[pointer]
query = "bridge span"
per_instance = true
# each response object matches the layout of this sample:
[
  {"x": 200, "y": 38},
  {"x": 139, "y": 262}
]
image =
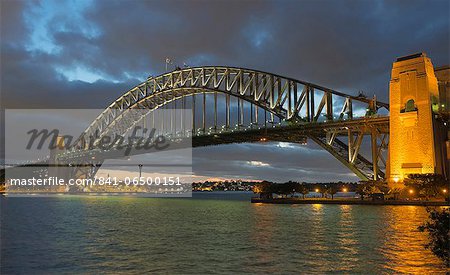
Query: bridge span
[{"x": 233, "y": 105}]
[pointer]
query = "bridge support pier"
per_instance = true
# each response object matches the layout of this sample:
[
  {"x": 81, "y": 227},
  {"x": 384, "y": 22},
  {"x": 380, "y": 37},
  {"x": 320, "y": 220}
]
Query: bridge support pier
[{"x": 414, "y": 106}]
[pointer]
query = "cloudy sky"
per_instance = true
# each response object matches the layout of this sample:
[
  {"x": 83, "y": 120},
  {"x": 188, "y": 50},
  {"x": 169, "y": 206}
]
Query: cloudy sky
[{"x": 84, "y": 54}]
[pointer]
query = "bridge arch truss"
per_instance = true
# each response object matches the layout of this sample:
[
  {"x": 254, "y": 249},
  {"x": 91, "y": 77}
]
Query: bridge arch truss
[{"x": 321, "y": 114}]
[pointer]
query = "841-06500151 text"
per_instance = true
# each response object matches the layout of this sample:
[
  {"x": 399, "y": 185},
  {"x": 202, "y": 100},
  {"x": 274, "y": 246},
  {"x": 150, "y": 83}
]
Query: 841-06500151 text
[{"x": 100, "y": 181}]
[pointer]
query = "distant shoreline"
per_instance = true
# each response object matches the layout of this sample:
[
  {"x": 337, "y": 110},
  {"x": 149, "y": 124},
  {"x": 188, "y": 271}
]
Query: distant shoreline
[{"x": 348, "y": 202}]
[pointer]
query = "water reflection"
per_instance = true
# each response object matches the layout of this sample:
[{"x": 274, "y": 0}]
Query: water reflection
[
  {"x": 403, "y": 243},
  {"x": 263, "y": 229},
  {"x": 205, "y": 234},
  {"x": 347, "y": 241}
]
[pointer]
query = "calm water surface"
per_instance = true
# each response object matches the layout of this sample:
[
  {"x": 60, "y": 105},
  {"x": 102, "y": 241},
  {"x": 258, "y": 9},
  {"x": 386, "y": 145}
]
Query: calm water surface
[{"x": 220, "y": 233}]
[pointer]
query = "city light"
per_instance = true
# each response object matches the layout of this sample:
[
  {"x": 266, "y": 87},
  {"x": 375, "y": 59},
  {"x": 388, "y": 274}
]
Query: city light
[
  {"x": 444, "y": 190},
  {"x": 344, "y": 190},
  {"x": 411, "y": 191},
  {"x": 317, "y": 190}
]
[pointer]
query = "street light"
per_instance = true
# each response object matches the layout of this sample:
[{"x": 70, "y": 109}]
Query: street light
[
  {"x": 444, "y": 190},
  {"x": 411, "y": 191},
  {"x": 140, "y": 170},
  {"x": 317, "y": 190},
  {"x": 344, "y": 190}
]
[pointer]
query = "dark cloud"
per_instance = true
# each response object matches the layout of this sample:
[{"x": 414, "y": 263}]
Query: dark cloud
[
  {"x": 49, "y": 49},
  {"x": 271, "y": 161},
  {"x": 12, "y": 27}
]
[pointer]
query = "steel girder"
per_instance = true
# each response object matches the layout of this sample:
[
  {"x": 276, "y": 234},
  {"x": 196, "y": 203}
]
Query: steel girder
[
  {"x": 347, "y": 149},
  {"x": 283, "y": 97}
]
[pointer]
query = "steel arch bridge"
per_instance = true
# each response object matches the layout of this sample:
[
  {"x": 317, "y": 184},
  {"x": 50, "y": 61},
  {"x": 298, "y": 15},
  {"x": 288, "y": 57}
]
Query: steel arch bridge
[{"x": 334, "y": 120}]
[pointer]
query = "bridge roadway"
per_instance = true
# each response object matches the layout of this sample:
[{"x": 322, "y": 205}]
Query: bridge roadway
[
  {"x": 296, "y": 133},
  {"x": 320, "y": 132},
  {"x": 323, "y": 133}
]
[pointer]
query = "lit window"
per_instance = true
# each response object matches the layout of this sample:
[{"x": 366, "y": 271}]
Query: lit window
[{"x": 410, "y": 106}]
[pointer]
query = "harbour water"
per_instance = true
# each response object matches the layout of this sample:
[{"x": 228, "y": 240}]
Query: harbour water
[{"x": 209, "y": 233}]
